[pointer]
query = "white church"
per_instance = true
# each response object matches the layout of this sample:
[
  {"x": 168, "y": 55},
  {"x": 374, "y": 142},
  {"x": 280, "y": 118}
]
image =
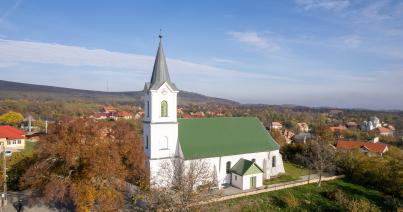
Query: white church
[{"x": 239, "y": 149}]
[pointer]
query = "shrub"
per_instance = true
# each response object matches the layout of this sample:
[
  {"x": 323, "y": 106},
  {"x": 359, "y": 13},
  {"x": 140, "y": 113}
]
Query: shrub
[{"x": 291, "y": 201}]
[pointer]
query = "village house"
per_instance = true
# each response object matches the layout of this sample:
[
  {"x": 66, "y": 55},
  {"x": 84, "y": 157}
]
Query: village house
[
  {"x": 238, "y": 149},
  {"x": 352, "y": 125},
  {"x": 276, "y": 125},
  {"x": 339, "y": 128},
  {"x": 384, "y": 131},
  {"x": 303, "y": 127},
  {"x": 369, "y": 148},
  {"x": 13, "y": 138},
  {"x": 124, "y": 115},
  {"x": 372, "y": 124}
]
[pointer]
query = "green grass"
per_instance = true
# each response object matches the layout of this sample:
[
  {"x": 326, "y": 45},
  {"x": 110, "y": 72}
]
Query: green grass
[
  {"x": 29, "y": 147},
  {"x": 309, "y": 197},
  {"x": 292, "y": 172}
]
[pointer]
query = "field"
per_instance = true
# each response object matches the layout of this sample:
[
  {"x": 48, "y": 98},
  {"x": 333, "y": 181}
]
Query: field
[
  {"x": 293, "y": 172},
  {"x": 305, "y": 198}
]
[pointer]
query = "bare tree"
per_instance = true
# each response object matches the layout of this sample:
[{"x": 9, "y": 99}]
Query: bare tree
[
  {"x": 318, "y": 156},
  {"x": 181, "y": 184}
]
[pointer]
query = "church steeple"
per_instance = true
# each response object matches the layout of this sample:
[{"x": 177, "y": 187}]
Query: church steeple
[{"x": 160, "y": 71}]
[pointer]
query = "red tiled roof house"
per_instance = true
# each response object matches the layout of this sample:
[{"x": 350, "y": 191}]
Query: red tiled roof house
[{"x": 13, "y": 138}]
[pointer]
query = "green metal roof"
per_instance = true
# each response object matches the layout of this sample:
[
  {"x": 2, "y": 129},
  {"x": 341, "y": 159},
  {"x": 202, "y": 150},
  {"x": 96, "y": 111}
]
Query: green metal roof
[
  {"x": 213, "y": 137},
  {"x": 246, "y": 167}
]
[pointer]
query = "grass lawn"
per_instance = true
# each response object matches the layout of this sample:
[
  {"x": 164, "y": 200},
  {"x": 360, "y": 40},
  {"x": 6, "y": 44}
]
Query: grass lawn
[
  {"x": 292, "y": 172},
  {"x": 308, "y": 197},
  {"x": 29, "y": 147}
]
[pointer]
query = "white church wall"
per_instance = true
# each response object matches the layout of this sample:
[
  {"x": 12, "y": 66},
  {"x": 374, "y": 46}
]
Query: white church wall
[{"x": 160, "y": 133}]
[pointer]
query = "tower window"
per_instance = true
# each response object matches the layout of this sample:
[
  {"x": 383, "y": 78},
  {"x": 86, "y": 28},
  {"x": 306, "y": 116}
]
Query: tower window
[
  {"x": 273, "y": 161},
  {"x": 164, "y": 109},
  {"x": 147, "y": 142},
  {"x": 228, "y": 167}
]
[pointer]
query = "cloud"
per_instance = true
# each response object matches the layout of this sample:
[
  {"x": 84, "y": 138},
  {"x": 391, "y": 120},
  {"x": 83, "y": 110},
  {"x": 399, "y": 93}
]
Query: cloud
[
  {"x": 323, "y": 4},
  {"x": 222, "y": 60},
  {"x": 255, "y": 40},
  {"x": 14, "y": 52},
  {"x": 374, "y": 11}
]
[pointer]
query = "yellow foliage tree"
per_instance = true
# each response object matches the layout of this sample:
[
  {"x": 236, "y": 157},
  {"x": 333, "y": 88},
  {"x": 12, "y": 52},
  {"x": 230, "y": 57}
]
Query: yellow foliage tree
[{"x": 11, "y": 118}]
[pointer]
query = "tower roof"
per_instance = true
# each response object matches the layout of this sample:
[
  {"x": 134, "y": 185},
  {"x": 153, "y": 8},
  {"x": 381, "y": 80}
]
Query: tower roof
[{"x": 160, "y": 71}]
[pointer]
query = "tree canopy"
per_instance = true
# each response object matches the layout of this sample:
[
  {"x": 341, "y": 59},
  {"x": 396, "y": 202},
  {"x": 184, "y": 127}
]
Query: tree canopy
[{"x": 87, "y": 163}]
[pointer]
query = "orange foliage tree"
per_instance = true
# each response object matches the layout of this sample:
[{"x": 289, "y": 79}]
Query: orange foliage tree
[{"x": 87, "y": 163}]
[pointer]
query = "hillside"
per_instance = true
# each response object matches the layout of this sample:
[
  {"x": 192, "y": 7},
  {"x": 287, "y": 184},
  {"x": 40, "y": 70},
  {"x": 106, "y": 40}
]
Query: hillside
[{"x": 16, "y": 90}]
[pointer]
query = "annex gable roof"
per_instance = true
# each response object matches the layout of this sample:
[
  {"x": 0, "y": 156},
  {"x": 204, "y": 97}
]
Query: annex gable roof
[
  {"x": 246, "y": 167},
  {"x": 223, "y": 136}
]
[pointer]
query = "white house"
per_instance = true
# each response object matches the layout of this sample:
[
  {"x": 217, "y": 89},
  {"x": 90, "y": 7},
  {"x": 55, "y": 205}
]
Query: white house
[
  {"x": 238, "y": 149},
  {"x": 13, "y": 138}
]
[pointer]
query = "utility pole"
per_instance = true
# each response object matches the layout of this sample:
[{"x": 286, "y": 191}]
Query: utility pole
[{"x": 4, "y": 195}]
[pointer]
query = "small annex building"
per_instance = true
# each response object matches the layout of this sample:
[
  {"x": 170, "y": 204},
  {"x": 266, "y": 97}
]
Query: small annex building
[
  {"x": 246, "y": 174},
  {"x": 239, "y": 150}
]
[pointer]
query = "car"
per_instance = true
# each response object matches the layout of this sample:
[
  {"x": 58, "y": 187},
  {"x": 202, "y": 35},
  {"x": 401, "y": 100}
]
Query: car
[{"x": 9, "y": 153}]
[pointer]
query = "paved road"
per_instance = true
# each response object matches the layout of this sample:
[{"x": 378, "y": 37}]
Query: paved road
[{"x": 14, "y": 197}]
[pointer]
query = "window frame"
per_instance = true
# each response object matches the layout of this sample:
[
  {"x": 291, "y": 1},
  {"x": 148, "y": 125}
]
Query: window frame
[{"x": 164, "y": 108}]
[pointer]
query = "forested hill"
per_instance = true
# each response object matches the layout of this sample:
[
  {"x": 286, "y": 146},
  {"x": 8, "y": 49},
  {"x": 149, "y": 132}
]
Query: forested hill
[{"x": 15, "y": 90}]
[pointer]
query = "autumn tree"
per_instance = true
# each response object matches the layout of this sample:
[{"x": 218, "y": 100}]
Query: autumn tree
[
  {"x": 278, "y": 137},
  {"x": 11, "y": 118},
  {"x": 87, "y": 163},
  {"x": 319, "y": 156},
  {"x": 182, "y": 184}
]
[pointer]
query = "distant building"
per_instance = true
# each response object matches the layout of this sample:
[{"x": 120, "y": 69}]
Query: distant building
[
  {"x": 369, "y": 148},
  {"x": 288, "y": 134},
  {"x": 339, "y": 128},
  {"x": 352, "y": 125},
  {"x": 276, "y": 125},
  {"x": 124, "y": 115},
  {"x": 372, "y": 124},
  {"x": 13, "y": 138},
  {"x": 384, "y": 131},
  {"x": 139, "y": 115},
  {"x": 303, "y": 127},
  {"x": 302, "y": 138}
]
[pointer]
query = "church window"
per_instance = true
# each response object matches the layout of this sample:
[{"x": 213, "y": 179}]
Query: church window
[
  {"x": 164, "y": 143},
  {"x": 228, "y": 167},
  {"x": 147, "y": 142},
  {"x": 164, "y": 109},
  {"x": 148, "y": 109},
  {"x": 236, "y": 178},
  {"x": 273, "y": 161}
]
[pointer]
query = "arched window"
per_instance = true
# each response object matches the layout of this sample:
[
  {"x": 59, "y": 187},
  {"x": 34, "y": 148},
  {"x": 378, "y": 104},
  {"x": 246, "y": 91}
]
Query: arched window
[
  {"x": 228, "y": 167},
  {"x": 164, "y": 143},
  {"x": 164, "y": 109},
  {"x": 147, "y": 142},
  {"x": 273, "y": 161}
]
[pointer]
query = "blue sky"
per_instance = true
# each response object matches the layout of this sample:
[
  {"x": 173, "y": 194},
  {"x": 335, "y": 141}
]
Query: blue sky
[{"x": 338, "y": 53}]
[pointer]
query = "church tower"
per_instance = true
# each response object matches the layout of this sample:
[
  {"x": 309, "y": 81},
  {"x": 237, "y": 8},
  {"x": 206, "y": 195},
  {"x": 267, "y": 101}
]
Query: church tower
[{"x": 160, "y": 126}]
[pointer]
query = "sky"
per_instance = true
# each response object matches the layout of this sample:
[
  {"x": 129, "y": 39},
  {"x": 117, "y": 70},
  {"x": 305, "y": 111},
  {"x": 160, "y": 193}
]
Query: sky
[{"x": 338, "y": 53}]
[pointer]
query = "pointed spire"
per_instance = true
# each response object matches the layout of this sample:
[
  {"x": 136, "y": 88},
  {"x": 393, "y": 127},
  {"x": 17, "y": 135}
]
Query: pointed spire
[{"x": 160, "y": 71}]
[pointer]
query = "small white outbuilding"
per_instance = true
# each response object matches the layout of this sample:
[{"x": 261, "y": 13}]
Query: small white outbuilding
[{"x": 246, "y": 174}]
